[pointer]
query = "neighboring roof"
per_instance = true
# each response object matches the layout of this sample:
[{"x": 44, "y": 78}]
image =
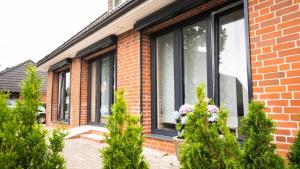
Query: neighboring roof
[
  {"x": 11, "y": 78},
  {"x": 100, "y": 22}
]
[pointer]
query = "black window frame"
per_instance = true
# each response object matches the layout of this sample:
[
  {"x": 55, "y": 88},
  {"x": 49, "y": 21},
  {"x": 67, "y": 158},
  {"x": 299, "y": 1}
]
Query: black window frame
[
  {"x": 211, "y": 18},
  {"x": 112, "y": 79},
  {"x": 59, "y": 104}
]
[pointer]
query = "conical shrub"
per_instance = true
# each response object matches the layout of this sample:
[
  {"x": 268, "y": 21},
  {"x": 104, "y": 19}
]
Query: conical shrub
[
  {"x": 124, "y": 140},
  {"x": 259, "y": 152}
]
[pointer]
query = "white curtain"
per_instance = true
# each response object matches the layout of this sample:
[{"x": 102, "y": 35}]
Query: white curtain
[
  {"x": 165, "y": 79},
  {"x": 195, "y": 65}
]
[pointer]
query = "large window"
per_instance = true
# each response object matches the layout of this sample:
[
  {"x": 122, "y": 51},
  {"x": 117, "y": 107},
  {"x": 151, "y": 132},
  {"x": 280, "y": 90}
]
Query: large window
[
  {"x": 101, "y": 73},
  {"x": 181, "y": 64},
  {"x": 233, "y": 82},
  {"x": 212, "y": 51},
  {"x": 64, "y": 96},
  {"x": 165, "y": 82}
]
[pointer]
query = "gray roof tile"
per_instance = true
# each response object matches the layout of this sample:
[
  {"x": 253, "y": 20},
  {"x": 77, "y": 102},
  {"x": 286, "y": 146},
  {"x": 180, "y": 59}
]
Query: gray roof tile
[{"x": 11, "y": 78}]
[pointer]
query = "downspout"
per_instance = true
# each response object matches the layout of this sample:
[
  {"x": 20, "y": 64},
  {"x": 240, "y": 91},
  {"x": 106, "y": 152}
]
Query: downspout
[{"x": 141, "y": 75}]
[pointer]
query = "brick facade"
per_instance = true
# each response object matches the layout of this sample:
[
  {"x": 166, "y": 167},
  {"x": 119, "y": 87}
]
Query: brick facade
[
  {"x": 275, "y": 60},
  {"x": 128, "y": 68}
]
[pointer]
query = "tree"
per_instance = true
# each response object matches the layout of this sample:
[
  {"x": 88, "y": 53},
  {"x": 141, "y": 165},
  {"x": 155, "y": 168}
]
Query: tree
[
  {"x": 294, "y": 154},
  {"x": 208, "y": 145},
  {"x": 125, "y": 140},
  {"x": 258, "y": 150},
  {"x": 23, "y": 142}
]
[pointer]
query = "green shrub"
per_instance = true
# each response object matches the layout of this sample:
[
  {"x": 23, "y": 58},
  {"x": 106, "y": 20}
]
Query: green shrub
[
  {"x": 258, "y": 150},
  {"x": 203, "y": 146},
  {"x": 23, "y": 142},
  {"x": 294, "y": 154},
  {"x": 125, "y": 140}
]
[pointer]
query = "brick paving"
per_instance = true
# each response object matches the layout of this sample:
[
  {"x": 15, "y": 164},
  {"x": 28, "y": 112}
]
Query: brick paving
[{"x": 84, "y": 154}]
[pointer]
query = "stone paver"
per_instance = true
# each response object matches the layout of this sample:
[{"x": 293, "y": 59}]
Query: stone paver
[{"x": 84, "y": 154}]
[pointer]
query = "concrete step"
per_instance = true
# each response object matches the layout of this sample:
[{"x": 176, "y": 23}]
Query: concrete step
[
  {"x": 93, "y": 137},
  {"x": 77, "y": 131}
]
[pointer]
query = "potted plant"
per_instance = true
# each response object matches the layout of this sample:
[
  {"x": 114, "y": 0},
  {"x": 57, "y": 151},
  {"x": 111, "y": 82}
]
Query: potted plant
[{"x": 182, "y": 116}]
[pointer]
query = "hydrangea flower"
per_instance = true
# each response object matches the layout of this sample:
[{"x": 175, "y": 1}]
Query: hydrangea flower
[
  {"x": 186, "y": 108},
  {"x": 212, "y": 109},
  {"x": 207, "y": 100},
  {"x": 213, "y": 117},
  {"x": 183, "y": 120}
]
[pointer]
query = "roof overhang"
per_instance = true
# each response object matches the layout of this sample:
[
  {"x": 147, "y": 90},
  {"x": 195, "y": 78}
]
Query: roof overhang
[
  {"x": 166, "y": 13},
  {"x": 117, "y": 23}
]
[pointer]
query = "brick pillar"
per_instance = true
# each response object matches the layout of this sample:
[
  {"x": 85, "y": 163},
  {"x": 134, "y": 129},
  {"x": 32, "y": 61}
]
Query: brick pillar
[
  {"x": 75, "y": 92},
  {"x": 128, "y": 68},
  {"x": 146, "y": 82},
  {"x": 49, "y": 98},
  {"x": 84, "y": 93}
]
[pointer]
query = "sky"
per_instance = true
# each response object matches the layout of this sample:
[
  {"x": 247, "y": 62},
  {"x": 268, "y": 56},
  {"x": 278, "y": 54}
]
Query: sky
[{"x": 31, "y": 29}]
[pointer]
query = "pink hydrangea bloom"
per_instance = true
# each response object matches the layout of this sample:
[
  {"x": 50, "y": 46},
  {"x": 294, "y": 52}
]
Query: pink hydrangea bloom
[
  {"x": 212, "y": 109},
  {"x": 186, "y": 108}
]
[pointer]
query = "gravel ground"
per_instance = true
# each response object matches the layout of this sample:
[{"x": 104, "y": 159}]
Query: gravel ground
[{"x": 84, "y": 154}]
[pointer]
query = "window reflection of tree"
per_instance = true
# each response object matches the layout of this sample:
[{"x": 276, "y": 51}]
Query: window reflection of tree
[{"x": 196, "y": 36}]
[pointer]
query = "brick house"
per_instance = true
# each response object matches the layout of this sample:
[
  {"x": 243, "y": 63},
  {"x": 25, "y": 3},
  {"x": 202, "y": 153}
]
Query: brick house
[
  {"x": 11, "y": 80},
  {"x": 159, "y": 50}
]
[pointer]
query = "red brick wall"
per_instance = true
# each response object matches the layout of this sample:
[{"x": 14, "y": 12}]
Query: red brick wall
[
  {"x": 275, "y": 59},
  {"x": 146, "y": 82},
  {"x": 161, "y": 145},
  {"x": 54, "y": 97},
  {"x": 75, "y": 92},
  {"x": 84, "y": 93},
  {"x": 49, "y": 98},
  {"x": 128, "y": 68}
]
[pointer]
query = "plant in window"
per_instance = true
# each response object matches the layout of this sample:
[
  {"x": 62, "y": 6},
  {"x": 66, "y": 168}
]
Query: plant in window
[
  {"x": 125, "y": 139},
  {"x": 258, "y": 150},
  {"x": 294, "y": 154},
  {"x": 23, "y": 142},
  {"x": 203, "y": 147}
]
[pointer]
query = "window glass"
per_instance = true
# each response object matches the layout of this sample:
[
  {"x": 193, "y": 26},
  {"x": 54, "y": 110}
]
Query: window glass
[
  {"x": 67, "y": 97},
  {"x": 104, "y": 109},
  {"x": 165, "y": 82},
  {"x": 101, "y": 89},
  {"x": 233, "y": 82},
  {"x": 118, "y": 2},
  {"x": 195, "y": 65},
  {"x": 64, "y": 96},
  {"x": 93, "y": 92}
]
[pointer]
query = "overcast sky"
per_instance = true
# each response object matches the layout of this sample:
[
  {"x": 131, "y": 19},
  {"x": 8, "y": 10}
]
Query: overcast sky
[{"x": 31, "y": 29}]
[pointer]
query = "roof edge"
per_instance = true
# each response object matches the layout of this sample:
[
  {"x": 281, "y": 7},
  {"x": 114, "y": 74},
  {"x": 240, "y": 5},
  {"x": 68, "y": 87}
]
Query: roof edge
[{"x": 88, "y": 31}]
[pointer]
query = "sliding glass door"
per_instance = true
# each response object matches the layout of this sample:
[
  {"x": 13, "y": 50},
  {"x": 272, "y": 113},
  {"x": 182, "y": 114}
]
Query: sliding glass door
[{"x": 101, "y": 80}]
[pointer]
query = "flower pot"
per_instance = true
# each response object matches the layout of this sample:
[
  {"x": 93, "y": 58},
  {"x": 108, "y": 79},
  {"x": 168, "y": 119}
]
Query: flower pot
[{"x": 177, "y": 142}]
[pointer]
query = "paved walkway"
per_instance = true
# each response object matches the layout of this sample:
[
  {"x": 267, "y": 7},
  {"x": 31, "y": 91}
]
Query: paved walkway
[{"x": 84, "y": 154}]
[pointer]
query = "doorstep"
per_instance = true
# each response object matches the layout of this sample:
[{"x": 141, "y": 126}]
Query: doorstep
[{"x": 76, "y": 132}]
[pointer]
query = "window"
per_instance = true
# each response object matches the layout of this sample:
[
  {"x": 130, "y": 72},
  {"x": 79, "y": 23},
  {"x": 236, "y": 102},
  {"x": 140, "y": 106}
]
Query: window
[
  {"x": 194, "y": 59},
  {"x": 64, "y": 96},
  {"x": 233, "y": 82},
  {"x": 116, "y": 3},
  {"x": 174, "y": 64},
  {"x": 165, "y": 82},
  {"x": 101, "y": 77},
  {"x": 185, "y": 55}
]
